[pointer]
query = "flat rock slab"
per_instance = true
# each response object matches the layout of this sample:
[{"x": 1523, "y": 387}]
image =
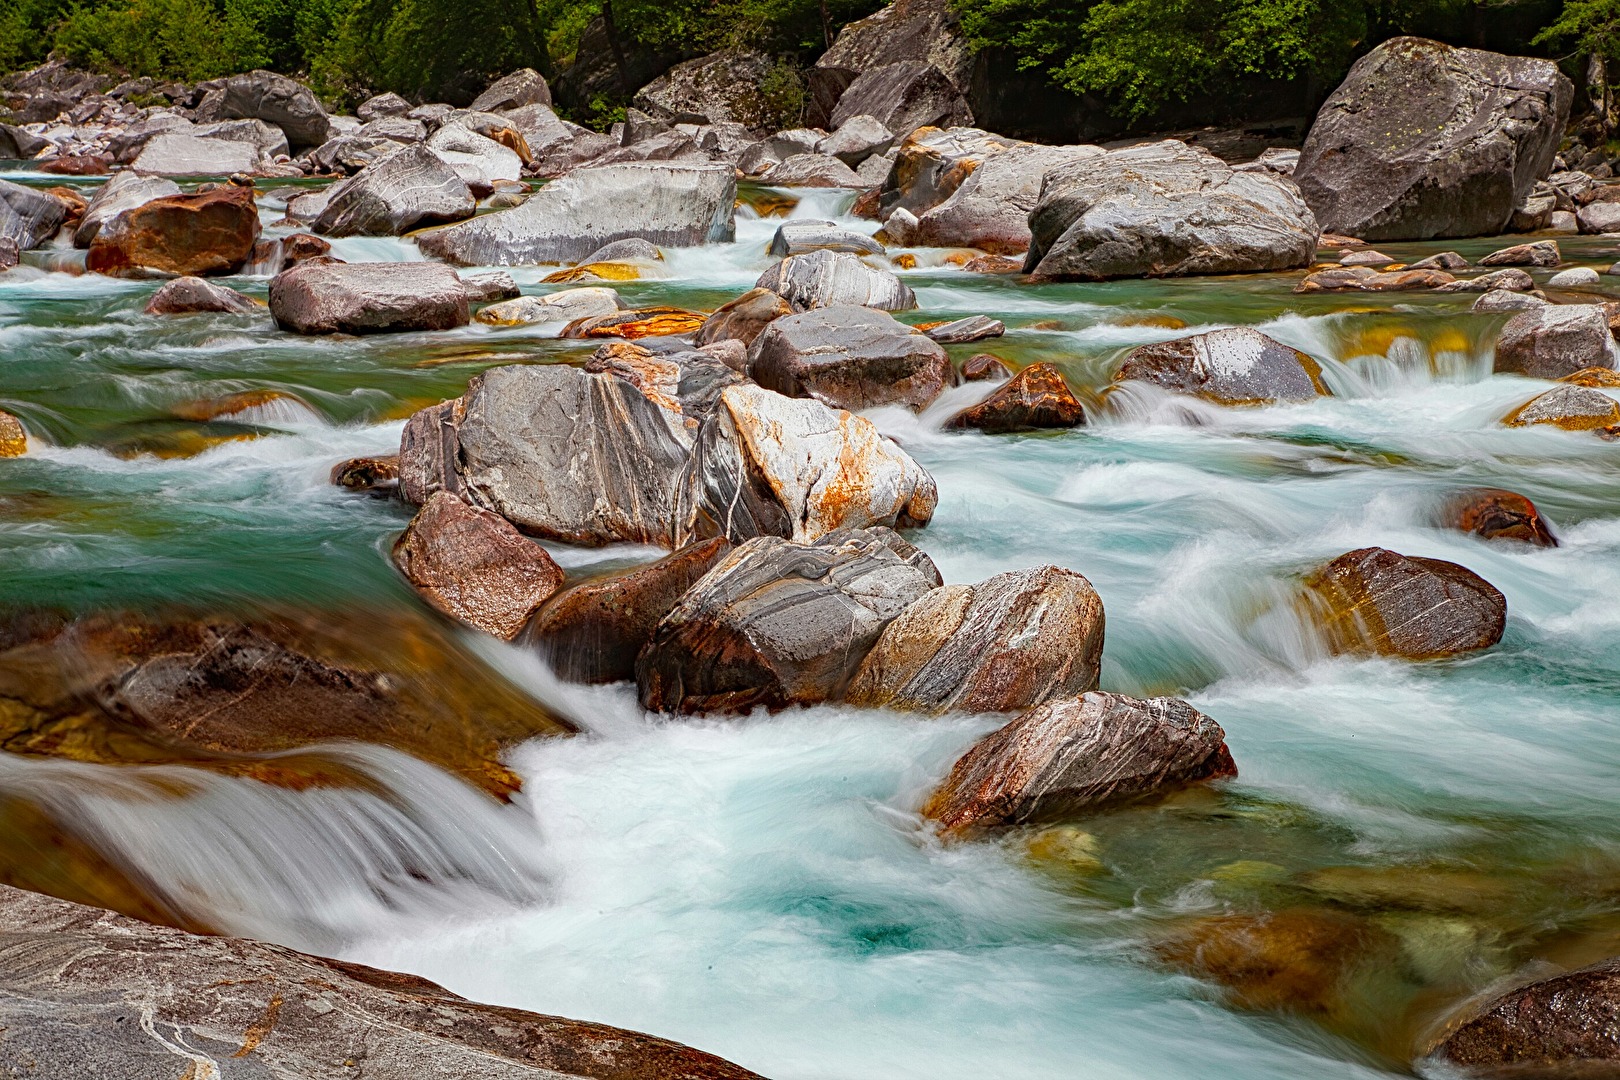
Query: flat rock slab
[
  {"x": 1376, "y": 601},
  {"x": 319, "y": 297},
  {"x": 1236, "y": 366},
  {"x": 800, "y": 237}
]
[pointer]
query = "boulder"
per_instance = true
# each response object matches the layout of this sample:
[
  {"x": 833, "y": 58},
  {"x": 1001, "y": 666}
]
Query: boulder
[
  {"x": 123, "y": 191},
  {"x": 350, "y": 153},
  {"x": 931, "y": 165},
  {"x": 1493, "y": 514},
  {"x": 181, "y": 153},
  {"x": 275, "y": 99},
  {"x": 1235, "y": 366},
  {"x": 320, "y": 297},
  {"x": 1035, "y": 399},
  {"x": 1506, "y": 300},
  {"x": 1511, "y": 279},
  {"x": 1572, "y": 408},
  {"x": 193, "y": 295},
  {"x": 400, "y": 129},
  {"x": 108, "y": 996},
  {"x": 479, "y": 160},
  {"x": 1553, "y": 340},
  {"x": 668, "y": 205},
  {"x": 1072, "y": 755},
  {"x": 858, "y": 138},
  {"x": 636, "y": 324},
  {"x": 1004, "y": 645},
  {"x": 990, "y": 209},
  {"x": 187, "y": 235},
  {"x": 489, "y": 287},
  {"x": 1364, "y": 257},
  {"x": 18, "y": 144},
  {"x": 1576, "y": 277},
  {"x": 812, "y": 170},
  {"x": 1366, "y": 279},
  {"x": 777, "y": 623},
  {"x": 1561, "y": 1026},
  {"x": 1538, "y": 253},
  {"x": 799, "y": 237},
  {"x": 408, "y": 189},
  {"x": 522, "y": 87},
  {"x": 567, "y": 306},
  {"x": 769, "y": 465},
  {"x": 850, "y": 358},
  {"x": 1373, "y": 601},
  {"x": 744, "y": 318},
  {"x": 268, "y": 139},
  {"x": 1444, "y": 260},
  {"x": 29, "y": 216},
  {"x": 1598, "y": 218},
  {"x": 922, "y": 30},
  {"x": 725, "y": 87},
  {"x": 982, "y": 367},
  {"x": 903, "y": 97},
  {"x": 593, "y": 632},
  {"x": 473, "y": 565},
  {"x": 1161, "y": 210},
  {"x": 375, "y": 474},
  {"x": 965, "y": 331},
  {"x": 820, "y": 279},
  {"x": 381, "y": 107},
  {"x": 1424, "y": 140},
  {"x": 13, "y": 436}
]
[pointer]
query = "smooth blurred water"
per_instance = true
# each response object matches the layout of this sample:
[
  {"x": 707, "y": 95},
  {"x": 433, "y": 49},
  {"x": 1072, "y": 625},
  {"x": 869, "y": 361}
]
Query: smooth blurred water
[{"x": 762, "y": 888}]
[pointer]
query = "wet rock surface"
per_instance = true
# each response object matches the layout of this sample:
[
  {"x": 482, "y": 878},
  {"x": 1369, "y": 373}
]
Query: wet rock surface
[
  {"x": 1564, "y": 1026},
  {"x": 320, "y": 297},
  {"x": 826, "y": 278},
  {"x": 195, "y": 235},
  {"x": 193, "y": 295},
  {"x": 1238, "y": 366},
  {"x": 1572, "y": 408},
  {"x": 1548, "y": 342},
  {"x": 850, "y": 358},
  {"x": 409, "y": 189},
  {"x": 1037, "y": 398},
  {"x": 1493, "y": 514},
  {"x": 1376, "y": 601}
]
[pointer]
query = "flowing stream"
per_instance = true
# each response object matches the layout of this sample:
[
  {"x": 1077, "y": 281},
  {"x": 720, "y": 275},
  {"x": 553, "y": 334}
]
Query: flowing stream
[{"x": 763, "y": 888}]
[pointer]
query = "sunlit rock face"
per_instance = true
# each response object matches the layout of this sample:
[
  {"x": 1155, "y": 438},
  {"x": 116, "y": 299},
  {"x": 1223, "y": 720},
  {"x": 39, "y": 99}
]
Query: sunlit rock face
[{"x": 1377, "y": 601}]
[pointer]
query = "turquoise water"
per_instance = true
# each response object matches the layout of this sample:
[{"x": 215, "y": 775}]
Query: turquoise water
[{"x": 762, "y": 888}]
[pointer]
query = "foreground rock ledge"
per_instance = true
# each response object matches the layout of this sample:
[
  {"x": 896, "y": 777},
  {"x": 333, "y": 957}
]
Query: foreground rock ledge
[
  {"x": 1560, "y": 1027},
  {"x": 85, "y": 992}
]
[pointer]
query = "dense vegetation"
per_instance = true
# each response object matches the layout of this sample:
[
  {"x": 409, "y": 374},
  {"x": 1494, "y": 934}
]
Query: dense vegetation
[{"x": 1139, "y": 56}]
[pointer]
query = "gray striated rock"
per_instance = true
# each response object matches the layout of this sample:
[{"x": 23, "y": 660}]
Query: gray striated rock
[
  {"x": 400, "y": 129},
  {"x": 524, "y": 86},
  {"x": 923, "y": 30},
  {"x": 195, "y": 295},
  {"x": 1572, "y": 408},
  {"x": 315, "y": 297},
  {"x": 1424, "y": 140},
  {"x": 1235, "y": 366},
  {"x": 180, "y": 153},
  {"x": 850, "y": 358},
  {"x": 1511, "y": 279},
  {"x": 777, "y": 623},
  {"x": 85, "y": 993},
  {"x": 832, "y": 278},
  {"x": 122, "y": 191},
  {"x": 276, "y": 99},
  {"x": 489, "y": 287},
  {"x": 800, "y": 237},
  {"x": 477, "y": 159},
  {"x": 1165, "y": 209},
  {"x": 565, "y": 307},
  {"x": 990, "y": 209},
  {"x": 1379, "y": 602},
  {"x": 1599, "y": 218},
  {"x": 1003, "y": 645},
  {"x": 1507, "y": 300},
  {"x": 858, "y": 138},
  {"x": 903, "y": 97},
  {"x": 668, "y": 205},
  {"x": 410, "y": 188},
  {"x": 931, "y": 164},
  {"x": 1554, "y": 340},
  {"x": 351, "y": 153},
  {"x": 968, "y": 330},
  {"x": 382, "y": 106},
  {"x": 723, "y": 87},
  {"x": 1065, "y": 757},
  {"x": 29, "y": 216},
  {"x": 812, "y": 170},
  {"x": 269, "y": 140}
]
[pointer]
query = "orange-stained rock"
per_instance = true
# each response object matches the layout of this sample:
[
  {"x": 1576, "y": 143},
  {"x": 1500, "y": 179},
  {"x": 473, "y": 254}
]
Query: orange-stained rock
[
  {"x": 649, "y": 322},
  {"x": 1074, "y": 754},
  {"x": 13, "y": 439},
  {"x": 994, "y": 264},
  {"x": 196, "y": 235},
  {"x": 474, "y": 566},
  {"x": 602, "y": 271},
  {"x": 1570, "y": 407},
  {"x": 1035, "y": 398},
  {"x": 593, "y": 632},
  {"x": 982, "y": 367},
  {"x": 1366, "y": 279},
  {"x": 658, "y": 378},
  {"x": 1594, "y": 377},
  {"x": 1376, "y": 601},
  {"x": 744, "y": 318},
  {"x": 77, "y": 165},
  {"x": 367, "y": 474},
  {"x": 1497, "y": 515},
  {"x": 1557, "y": 1027},
  {"x": 233, "y": 404},
  {"x": 908, "y": 261}
]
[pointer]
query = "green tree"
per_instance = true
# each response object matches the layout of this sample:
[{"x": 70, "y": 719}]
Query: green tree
[{"x": 169, "y": 39}]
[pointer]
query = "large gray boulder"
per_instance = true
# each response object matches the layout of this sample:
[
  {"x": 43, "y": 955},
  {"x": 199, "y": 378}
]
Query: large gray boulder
[
  {"x": 922, "y": 30},
  {"x": 410, "y": 188},
  {"x": 831, "y": 278},
  {"x": 122, "y": 191},
  {"x": 1235, "y": 366},
  {"x": 812, "y": 170},
  {"x": 275, "y": 99},
  {"x": 802, "y": 236},
  {"x": 524, "y": 86},
  {"x": 857, "y": 139},
  {"x": 1550, "y": 341},
  {"x": 991, "y": 209},
  {"x": 903, "y": 97},
  {"x": 268, "y": 139},
  {"x": 850, "y": 358},
  {"x": 720, "y": 88},
  {"x": 777, "y": 623},
  {"x": 1161, "y": 210},
  {"x": 29, "y": 216},
  {"x": 670, "y": 205},
  {"x": 87, "y": 993},
  {"x": 183, "y": 153},
  {"x": 1424, "y": 140},
  {"x": 931, "y": 164},
  {"x": 321, "y": 297},
  {"x": 476, "y": 158}
]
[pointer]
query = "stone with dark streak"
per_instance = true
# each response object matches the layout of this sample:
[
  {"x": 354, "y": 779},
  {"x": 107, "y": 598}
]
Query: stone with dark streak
[
  {"x": 1377, "y": 601},
  {"x": 1236, "y": 366},
  {"x": 367, "y": 474},
  {"x": 1036, "y": 398},
  {"x": 1498, "y": 515}
]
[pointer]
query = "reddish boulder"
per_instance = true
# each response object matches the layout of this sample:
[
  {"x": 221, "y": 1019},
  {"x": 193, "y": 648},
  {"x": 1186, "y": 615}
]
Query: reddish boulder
[
  {"x": 193, "y": 295},
  {"x": 982, "y": 366},
  {"x": 1497, "y": 515},
  {"x": 367, "y": 474},
  {"x": 1376, "y": 601},
  {"x": 1036, "y": 398},
  {"x": 1565, "y": 1026},
  {"x": 189, "y": 235}
]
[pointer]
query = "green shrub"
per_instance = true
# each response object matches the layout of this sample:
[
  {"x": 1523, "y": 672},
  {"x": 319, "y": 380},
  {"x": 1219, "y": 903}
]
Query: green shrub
[{"x": 162, "y": 39}]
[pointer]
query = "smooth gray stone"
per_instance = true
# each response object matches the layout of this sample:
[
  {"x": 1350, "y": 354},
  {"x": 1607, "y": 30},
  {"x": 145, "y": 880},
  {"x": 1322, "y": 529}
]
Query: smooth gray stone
[
  {"x": 1554, "y": 340},
  {"x": 316, "y": 297},
  {"x": 409, "y": 189},
  {"x": 122, "y": 191},
  {"x": 828, "y": 278},
  {"x": 850, "y": 358},
  {"x": 800, "y": 237},
  {"x": 29, "y": 216},
  {"x": 1235, "y": 366}
]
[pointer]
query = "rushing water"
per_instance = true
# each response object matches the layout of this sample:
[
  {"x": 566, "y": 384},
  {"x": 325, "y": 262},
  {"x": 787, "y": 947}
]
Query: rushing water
[{"x": 762, "y": 888}]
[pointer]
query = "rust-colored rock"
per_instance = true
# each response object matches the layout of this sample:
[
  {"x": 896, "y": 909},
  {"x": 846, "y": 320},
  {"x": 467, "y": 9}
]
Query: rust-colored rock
[
  {"x": 1003, "y": 645},
  {"x": 1567, "y": 1026},
  {"x": 744, "y": 318},
  {"x": 1067, "y": 756},
  {"x": 983, "y": 367},
  {"x": 230, "y": 406},
  {"x": 994, "y": 264},
  {"x": 300, "y": 246},
  {"x": 1366, "y": 279},
  {"x": 367, "y": 473},
  {"x": 649, "y": 322},
  {"x": 13, "y": 439},
  {"x": 474, "y": 566},
  {"x": 658, "y": 378},
  {"x": 593, "y": 632},
  {"x": 1594, "y": 377},
  {"x": 77, "y": 165},
  {"x": 195, "y": 235},
  {"x": 1570, "y": 407},
  {"x": 1376, "y": 601},
  {"x": 1036, "y": 398},
  {"x": 1497, "y": 515}
]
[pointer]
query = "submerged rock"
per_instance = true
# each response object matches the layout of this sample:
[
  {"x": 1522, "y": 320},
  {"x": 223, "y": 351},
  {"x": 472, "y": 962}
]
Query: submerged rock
[
  {"x": 1236, "y": 366},
  {"x": 1003, "y": 645},
  {"x": 1494, "y": 514},
  {"x": 1550, "y": 341},
  {"x": 1366, "y": 279},
  {"x": 1424, "y": 140},
  {"x": 367, "y": 474},
  {"x": 1035, "y": 399},
  {"x": 97, "y": 985},
  {"x": 1563, "y": 1026},
  {"x": 1068, "y": 756},
  {"x": 983, "y": 366},
  {"x": 319, "y": 297},
  {"x": 408, "y": 189},
  {"x": 1375, "y": 601},
  {"x": 593, "y": 632},
  {"x": 1573, "y": 408},
  {"x": 777, "y": 623},
  {"x": 193, "y": 295},
  {"x": 824, "y": 278},
  {"x": 632, "y": 325},
  {"x": 473, "y": 565},
  {"x": 851, "y": 358},
  {"x": 187, "y": 235}
]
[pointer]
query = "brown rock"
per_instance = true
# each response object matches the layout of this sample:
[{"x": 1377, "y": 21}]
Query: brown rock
[
  {"x": 1565, "y": 1026},
  {"x": 1365, "y": 279},
  {"x": 851, "y": 358},
  {"x": 593, "y": 632},
  {"x": 474, "y": 566},
  {"x": 194, "y": 295},
  {"x": 367, "y": 474},
  {"x": 1572, "y": 408},
  {"x": 649, "y": 322},
  {"x": 982, "y": 366},
  {"x": 230, "y": 405},
  {"x": 300, "y": 246},
  {"x": 1075, "y": 754},
  {"x": 13, "y": 439},
  {"x": 1036, "y": 398},
  {"x": 744, "y": 318},
  {"x": 994, "y": 264},
  {"x": 1497, "y": 515},
  {"x": 1376, "y": 601},
  {"x": 193, "y": 235},
  {"x": 77, "y": 165},
  {"x": 1003, "y": 645},
  {"x": 321, "y": 296},
  {"x": 1538, "y": 253},
  {"x": 1593, "y": 377}
]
